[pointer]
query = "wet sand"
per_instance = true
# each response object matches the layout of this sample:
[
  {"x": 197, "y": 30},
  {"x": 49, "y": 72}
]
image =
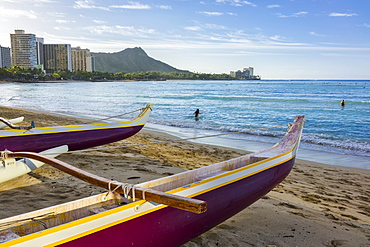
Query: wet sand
[{"x": 316, "y": 205}]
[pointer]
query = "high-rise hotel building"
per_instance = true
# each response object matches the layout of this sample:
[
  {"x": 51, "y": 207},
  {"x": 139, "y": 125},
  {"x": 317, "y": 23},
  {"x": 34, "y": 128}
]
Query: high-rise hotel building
[
  {"x": 29, "y": 51},
  {"x": 5, "y": 58},
  {"x": 57, "y": 57},
  {"x": 82, "y": 60},
  {"x": 24, "y": 51}
]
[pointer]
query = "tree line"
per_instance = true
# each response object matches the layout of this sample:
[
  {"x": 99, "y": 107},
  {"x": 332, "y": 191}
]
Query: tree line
[{"x": 18, "y": 73}]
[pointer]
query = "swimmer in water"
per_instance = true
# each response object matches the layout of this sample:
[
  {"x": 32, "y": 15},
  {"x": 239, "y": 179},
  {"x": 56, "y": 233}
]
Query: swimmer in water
[
  {"x": 342, "y": 103},
  {"x": 197, "y": 113}
]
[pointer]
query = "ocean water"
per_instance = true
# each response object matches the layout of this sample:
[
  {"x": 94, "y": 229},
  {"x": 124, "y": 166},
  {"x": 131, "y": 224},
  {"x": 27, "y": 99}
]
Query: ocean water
[{"x": 227, "y": 106}]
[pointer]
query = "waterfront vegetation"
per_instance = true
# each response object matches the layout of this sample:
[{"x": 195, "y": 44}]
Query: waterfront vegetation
[{"x": 18, "y": 73}]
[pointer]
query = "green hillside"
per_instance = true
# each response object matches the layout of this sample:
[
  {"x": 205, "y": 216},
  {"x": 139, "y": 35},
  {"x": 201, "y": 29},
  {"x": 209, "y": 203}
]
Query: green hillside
[{"x": 130, "y": 60}]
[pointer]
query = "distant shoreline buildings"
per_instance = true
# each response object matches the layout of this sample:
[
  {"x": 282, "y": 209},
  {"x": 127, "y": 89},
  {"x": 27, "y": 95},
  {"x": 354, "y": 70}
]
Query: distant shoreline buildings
[
  {"x": 246, "y": 74},
  {"x": 5, "y": 58},
  {"x": 29, "y": 51}
]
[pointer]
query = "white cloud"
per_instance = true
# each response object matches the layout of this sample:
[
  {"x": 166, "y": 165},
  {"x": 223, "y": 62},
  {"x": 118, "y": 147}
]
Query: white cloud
[
  {"x": 121, "y": 30},
  {"x": 366, "y": 25},
  {"x": 298, "y": 14},
  {"x": 63, "y": 21},
  {"x": 237, "y": 3},
  {"x": 30, "y": 1},
  {"x": 207, "y": 26},
  {"x": 164, "y": 7},
  {"x": 87, "y": 4},
  {"x": 273, "y": 6},
  {"x": 207, "y": 13},
  {"x": 342, "y": 14},
  {"x": 131, "y": 5},
  {"x": 214, "y": 26},
  {"x": 99, "y": 21},
  {"x": 17, "y": 13},
  {"x": 316, "y": 34},
  {"x": 276, "y": 38},
  {"x": 193, "y": 28},
  {"x": 56, "y": 14},
  {"x": 62, "y": 28}
]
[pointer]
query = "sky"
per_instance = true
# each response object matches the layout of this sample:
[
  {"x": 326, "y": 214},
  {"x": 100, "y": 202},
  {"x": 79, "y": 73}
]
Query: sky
[{"x": 280, "y": 39}]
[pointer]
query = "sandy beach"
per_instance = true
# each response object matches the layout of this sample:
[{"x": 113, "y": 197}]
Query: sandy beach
[{"x": 317, "y": 205}]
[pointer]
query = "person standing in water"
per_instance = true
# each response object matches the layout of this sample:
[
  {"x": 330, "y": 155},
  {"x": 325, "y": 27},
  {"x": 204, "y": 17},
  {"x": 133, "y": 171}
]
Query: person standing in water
[
  {"x": 342, "y": 103},
  {"x": 197, "y": 113}
]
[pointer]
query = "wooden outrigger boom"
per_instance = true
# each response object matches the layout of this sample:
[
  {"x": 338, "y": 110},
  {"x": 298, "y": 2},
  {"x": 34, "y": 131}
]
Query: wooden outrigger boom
[{"x": 180, "y": 202}]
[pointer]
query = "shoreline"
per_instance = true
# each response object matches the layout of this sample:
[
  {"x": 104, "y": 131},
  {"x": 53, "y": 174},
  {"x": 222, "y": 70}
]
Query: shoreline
[
  {"x": 323, "y": 157},
  {"x": 317, "y": 205}
]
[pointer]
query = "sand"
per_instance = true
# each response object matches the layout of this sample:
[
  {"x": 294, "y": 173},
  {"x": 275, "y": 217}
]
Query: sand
[{"x": 316, "y": 205}]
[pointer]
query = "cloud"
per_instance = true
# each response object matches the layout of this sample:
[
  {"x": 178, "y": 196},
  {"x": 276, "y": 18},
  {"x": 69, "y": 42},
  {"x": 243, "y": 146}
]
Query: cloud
[
  {"x": 131, "y": 5},
  {"x": 121, "y": 30},
  {"x": 277, "y": 38},
  {"x": 298, "y": 14},
  {"x": 207, "y": 13},
  {"x": 99, "y": 21},
  {"x": 342, "y": 14},
  {"x": 316, "y": 34},
  {"x": 16, "y": 13},
  {"x": 31, "y": 1},
  {"x": 366, "y": 25},
  {"x": 62, "y": 28},
  {"x": 213, "y": 26},
  {"x": 273, "y": 6},
  {"x": 193, "y": 28},
  {"x": 207, "y": 26},
  {"x": 163, "y": 6},
  {"x": 237, "y": 3},
  {"x": 87, "y": 4},
  {"x": 64, "y": 21},
  {"x": 56, "y": 14}
]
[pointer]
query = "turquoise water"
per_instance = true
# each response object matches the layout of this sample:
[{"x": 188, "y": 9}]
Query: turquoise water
[{"x": 226, "y": 106}]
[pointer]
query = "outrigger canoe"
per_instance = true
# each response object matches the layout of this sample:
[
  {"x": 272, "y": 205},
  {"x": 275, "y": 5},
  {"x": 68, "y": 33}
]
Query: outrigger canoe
[
  {"x": 11, "y": 168},
  {"x": 168, "y": 211},
  {"x": 12, "y": 121},
  {"x": 77, "y": 137}
]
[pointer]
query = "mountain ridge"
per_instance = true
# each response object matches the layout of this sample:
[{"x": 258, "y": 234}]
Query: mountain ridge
[{"x": 130, "y": 60}]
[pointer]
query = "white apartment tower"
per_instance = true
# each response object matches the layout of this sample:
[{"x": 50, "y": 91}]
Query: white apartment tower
[
  {"x": 24, "y": 50},
  {"x": 248, "y": 73},
  {"x": 40, "y": 52}
]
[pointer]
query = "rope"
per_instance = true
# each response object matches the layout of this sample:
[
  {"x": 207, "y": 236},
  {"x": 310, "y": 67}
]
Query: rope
[
  {"x": 176, "y": 140},
  {"x": 110, "y": 190},
  {"x": 120, "y": 115},
  {"x": 144, "y": 190},
  {"x": 3, "y": 154},
  {"x": 126, "y": 187}
]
